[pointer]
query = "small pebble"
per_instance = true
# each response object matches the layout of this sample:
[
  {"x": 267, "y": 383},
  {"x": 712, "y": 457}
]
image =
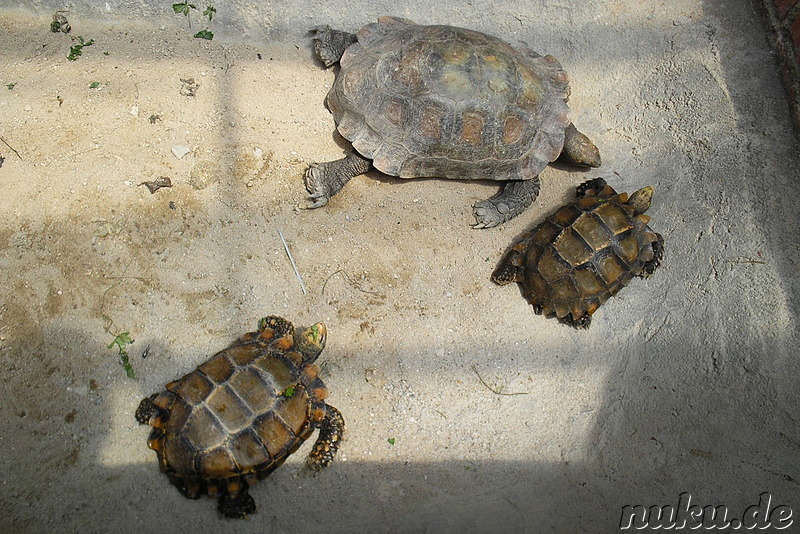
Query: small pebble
[{"x": 180, "y": 151}]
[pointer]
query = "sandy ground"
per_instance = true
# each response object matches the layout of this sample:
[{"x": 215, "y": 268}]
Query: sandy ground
[{"x": 686, "y": 382}]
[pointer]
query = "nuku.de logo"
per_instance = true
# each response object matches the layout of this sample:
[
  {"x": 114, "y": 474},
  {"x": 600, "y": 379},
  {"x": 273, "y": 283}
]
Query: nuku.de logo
[{"x": 693, "y": 517}]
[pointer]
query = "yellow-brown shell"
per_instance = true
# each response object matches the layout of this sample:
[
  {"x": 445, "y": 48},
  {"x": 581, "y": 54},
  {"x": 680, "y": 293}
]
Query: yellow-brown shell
[
  {"x": 584, "y": 254},
  {"x": 239, "y": 414},
  {"x": 441, "y": 101}
]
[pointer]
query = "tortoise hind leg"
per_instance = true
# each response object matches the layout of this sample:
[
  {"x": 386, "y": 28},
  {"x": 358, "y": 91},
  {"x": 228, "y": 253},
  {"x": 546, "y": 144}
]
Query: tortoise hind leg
[
  {"x": 323, "y": 180},
  {"x": 331, "y": 431},
  {"x": 579, "y": 149},
  {"x": 510, "y": 268},
  {"x": 581, "y": 322},
  {"x": 238, "y": 507},
  {"x": 507, "y": 204},
  {"x": 329, "y": 44}
]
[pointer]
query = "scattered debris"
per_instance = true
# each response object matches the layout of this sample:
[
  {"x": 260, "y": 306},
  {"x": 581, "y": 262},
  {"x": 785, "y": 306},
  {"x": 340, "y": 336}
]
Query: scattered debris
[
  {"x": 189, "y": 87},
  {"x": 742, "y": 259},
  {"x": 172, "y": 205},
  {"x": 146, "y": 352},
  {"x": 10, "y": 147},
  {"x": 60, "y": 23},
  {"x": 121, "y": 339},
  {"x": 154, "y": 118},
  {"x": 350, "y": 281},
  {"x": 496, "y": 391},
  {"x": 134, "y": 111},
  {"x": 2, "y": 160},
  {"x": 180, "y": 151},
  {"x": 106, "y": 227},
  {"x": 60, "y": 100},
  {"x": 158, "y": 183},
  {"x": 76, "y": 50},
  {"x": 291, "y": 259}
]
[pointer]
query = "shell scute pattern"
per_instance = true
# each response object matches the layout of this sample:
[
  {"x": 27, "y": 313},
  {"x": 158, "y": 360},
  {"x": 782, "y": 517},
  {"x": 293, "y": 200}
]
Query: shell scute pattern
[
  {"x": 237, "y": 416},
  {"x": 449, "y": 102},
  {"x": 584, "y": 253}
]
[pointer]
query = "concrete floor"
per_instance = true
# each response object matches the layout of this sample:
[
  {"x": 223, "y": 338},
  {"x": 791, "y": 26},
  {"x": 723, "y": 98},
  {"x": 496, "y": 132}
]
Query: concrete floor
[{"x": 686, "y": 382}]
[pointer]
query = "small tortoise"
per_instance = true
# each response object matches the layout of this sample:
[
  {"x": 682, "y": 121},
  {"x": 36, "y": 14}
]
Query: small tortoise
[
  {"x": 438, "y": 101},
  {"x": 239, "y": 415},
  {"x": 584, "y": 253}
]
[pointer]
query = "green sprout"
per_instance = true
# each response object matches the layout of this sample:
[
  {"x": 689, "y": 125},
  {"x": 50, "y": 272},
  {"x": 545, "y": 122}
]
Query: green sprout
[
  {"x": 288, "y": 392},
  {"x": 185, "y": 8},
  {"x": 76, "y": 50},
  {"x": 391, "y": 441},
  {"x": 94, "y": 85},
  {"x": 11, "y": 86},
  {"x": 122, "y": 341}
]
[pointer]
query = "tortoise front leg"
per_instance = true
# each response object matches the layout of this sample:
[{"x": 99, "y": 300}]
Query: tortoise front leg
[
  {"x": 507, "y": 204},
  {"x": 323, "y": 180},
  {"x": 658, "y": 253},
  {"x": 331, "y": 431},
  {"x": 147, "y": 409}
]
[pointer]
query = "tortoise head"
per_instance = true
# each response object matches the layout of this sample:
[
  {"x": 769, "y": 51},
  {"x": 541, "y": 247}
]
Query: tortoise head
[
  {"x": 311, "y": 341},
  {"x": 641, "y": 199}
]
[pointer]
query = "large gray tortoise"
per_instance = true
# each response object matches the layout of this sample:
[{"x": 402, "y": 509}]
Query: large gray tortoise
[
  {"x": 239, "y": 415},
  {"x": 438, "y": 101}
]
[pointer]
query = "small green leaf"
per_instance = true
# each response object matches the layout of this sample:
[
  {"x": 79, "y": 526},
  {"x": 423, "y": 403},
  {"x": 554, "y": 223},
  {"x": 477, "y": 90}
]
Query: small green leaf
[
  {"x": 182, "y": 8},
  {"x": 121, "y": 340},
  {"x": 288, "y": 392},
  {"x": 11, "y": 85},
  {"x": 204, "y": 34},
  {"x": 94, "y": 85},
  {"x": 77, "y": 50},
  {"x": 391, "y": 441},
  {"x": 123, "y": 358},
  {"x": 209, "y": 12}
]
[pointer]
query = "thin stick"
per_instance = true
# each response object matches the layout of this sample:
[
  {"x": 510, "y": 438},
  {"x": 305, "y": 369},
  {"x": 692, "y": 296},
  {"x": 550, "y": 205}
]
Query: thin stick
[
  {"x": 350, "y": 280},
  {"x": 493, "y": 390},
  {"x": 291, "y": 259},
  {"x": 11, "y": 147}
]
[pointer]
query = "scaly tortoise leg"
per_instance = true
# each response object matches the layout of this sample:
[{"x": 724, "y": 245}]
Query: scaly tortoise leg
[
  {"x": 147, "y": 409},
  {"x": 331, "y": 431},
  {"x": 507, "y": 204},
  {"x": 323, "y": 180},
  {"x": 236, "y": 507}
]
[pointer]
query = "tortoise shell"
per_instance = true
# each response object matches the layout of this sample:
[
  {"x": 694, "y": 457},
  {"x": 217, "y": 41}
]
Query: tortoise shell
[
  {"x": 441, "y": 101},
  {"x": 584, "y": 253},
  {"x": 239, "y": 415}
]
